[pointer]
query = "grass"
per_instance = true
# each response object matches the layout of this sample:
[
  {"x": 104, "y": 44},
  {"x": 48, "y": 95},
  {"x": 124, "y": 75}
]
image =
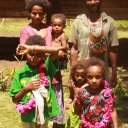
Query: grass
[
  {"x": 10, "y": 118},
  {"x": 12, "y": 25}
]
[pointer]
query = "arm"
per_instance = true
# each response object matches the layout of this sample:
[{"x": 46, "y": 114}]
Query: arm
[
  {"x": 70, "y": 99},
  {"x": 114, "y": 118},
  {"x": 23, "y": 49},
  {"x": 73, "y": 54},
  {"x": 113, "y": 59},
  {"x": 33, "y": 84},
  {"x": 64, "y": 42},
  {"x": 24, "y": 35}
]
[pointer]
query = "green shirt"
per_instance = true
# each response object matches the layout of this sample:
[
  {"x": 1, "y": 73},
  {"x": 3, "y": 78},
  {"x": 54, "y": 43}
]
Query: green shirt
[
  {"x": 80, "y": 34},
  {"x": 23, "y": 76}
]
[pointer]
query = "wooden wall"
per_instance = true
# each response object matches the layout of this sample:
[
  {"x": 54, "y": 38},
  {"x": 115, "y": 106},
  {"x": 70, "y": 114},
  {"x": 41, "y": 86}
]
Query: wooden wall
[
  {"x": 118, "y": 9},
  {"x": 12, "y": 8}
]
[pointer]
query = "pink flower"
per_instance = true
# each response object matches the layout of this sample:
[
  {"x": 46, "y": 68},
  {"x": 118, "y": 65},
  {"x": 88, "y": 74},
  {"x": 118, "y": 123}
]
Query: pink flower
[
  {"x": 24, "y": 108},
  {"x": 105, "y": 83},
  {"x": 106, "y": 120},
  {"x": 107, "y": 92}
]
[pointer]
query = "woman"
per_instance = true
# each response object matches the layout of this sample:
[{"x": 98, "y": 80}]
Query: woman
[{"x": 39, "y": 14}]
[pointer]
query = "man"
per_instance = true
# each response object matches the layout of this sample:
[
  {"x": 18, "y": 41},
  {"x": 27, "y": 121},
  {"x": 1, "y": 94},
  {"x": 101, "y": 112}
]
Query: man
[{"x": 94, "y": 34}]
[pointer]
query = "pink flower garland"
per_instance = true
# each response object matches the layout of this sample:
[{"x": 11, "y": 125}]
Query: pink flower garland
[
  {"x": 25, "y": 108},
  {"x": 106, "y": 121}
]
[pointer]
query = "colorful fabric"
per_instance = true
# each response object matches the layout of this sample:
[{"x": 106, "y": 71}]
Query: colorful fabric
[
  {"x": 24, "y": 75},
  {"x": 59, "y": 95},
  {"x": 74, "y": 120},
  {"x": 93, "y": 105},
  {"x": 27, "y": 31}
]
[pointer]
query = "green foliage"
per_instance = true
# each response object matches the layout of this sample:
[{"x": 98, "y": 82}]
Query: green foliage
[
  {"x": 5, "y": 78},
  {"x": 120, "y": 90},
  {"x": 123, "y": 24},
  {"x": 12, "y": 24}
]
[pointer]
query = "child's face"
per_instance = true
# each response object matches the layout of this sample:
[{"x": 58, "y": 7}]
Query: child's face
[
  {"x": 80, "y": 76},
  {"x": 34, "y": 58},
  {"x": 57, "y": 25},
  {"x": 94, "y": 76},
  {"x": 37, "y": 14}
]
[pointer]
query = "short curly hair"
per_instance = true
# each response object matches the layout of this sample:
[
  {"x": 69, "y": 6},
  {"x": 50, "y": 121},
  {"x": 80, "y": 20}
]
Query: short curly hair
[
  {"x": 94, "y": 61},
  {"x": 79, "y": 65},
  {"x": 43, "y": 3},
  {"x": 35, "y": 40},
  {"x": 60, "y": 16}
]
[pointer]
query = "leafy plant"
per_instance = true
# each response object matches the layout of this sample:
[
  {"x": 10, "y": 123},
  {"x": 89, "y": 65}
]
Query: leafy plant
[
  {"x": 5, "y": 78},
  {"x": 120, "y": 89}
]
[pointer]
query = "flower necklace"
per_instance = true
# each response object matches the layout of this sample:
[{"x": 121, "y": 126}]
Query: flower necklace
[
  {"x": 25, "y": 108},
  {"x": 106, "y": 120}
]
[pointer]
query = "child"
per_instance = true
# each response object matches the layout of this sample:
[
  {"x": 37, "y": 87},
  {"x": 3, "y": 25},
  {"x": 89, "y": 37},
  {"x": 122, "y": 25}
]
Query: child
[
  {"x": 58, "y": 22},
  {"x": 95, "y": 102},
  {"x": 78, "y": 75},
  {"x": 26, "y": 80}
]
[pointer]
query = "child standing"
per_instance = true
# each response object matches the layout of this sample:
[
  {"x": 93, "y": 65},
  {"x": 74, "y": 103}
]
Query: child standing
[
  {"x": 25, "y": 81},
  {"x": 78, "y": 75},
  {"x": 95, "y": 102},
  {"x": 58, "y": 22}
]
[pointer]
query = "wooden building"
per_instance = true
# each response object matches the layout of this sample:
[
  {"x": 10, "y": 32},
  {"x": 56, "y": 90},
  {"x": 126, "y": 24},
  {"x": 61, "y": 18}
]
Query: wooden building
[{"x": 118, "y": 9}]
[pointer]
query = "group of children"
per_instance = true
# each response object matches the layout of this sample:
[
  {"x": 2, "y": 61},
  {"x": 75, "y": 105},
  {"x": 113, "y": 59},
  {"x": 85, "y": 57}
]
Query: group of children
[
  {"x": 91, "y": 97},
  {"x": 37, "y": 87}
]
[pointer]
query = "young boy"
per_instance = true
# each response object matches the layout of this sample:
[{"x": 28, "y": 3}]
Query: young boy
[{"x": 38, "y": 71}]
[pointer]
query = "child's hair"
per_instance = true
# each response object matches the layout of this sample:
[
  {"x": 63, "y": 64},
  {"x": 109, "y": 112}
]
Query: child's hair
[
  {"x": 78, "y": 65},
  {"x": 93, "y": 61},
  {"x": 43, "y": 3},
  {"x": 59, "y": 16},
  {"x": 35, "y": 40}
]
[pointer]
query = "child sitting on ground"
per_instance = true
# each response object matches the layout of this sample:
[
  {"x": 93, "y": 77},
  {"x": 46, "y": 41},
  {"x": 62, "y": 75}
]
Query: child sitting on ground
[
  {"x": 95, "y": 102},
  {"x": 36, "y": 73}
]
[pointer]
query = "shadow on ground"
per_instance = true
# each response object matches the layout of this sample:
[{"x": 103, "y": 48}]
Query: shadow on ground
[
  {"x": 9, "y": 44},
  {"x": 8, "y": 47}
]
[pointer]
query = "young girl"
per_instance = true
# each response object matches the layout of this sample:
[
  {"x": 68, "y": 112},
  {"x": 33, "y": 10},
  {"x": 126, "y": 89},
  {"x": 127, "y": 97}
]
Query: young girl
[
  {"x": 38, "y": 11},
  {"x": 78, "y": 76},
  {"x": 95, "y": 102},
  {"x": 36, "y": 74}
]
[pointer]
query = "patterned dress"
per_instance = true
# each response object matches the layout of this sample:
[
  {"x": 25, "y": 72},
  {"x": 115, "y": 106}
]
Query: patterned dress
[{"x": 93, "y": 105}]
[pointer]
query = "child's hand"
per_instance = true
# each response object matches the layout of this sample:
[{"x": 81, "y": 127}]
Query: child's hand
[
  {"x": 61, "y": 54},
  {"x": 71, "y": 83},
  {"x": 67, "y": 106},
  {"x": 22, "y": 49},
  {"x": 32, "y": 85}
]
